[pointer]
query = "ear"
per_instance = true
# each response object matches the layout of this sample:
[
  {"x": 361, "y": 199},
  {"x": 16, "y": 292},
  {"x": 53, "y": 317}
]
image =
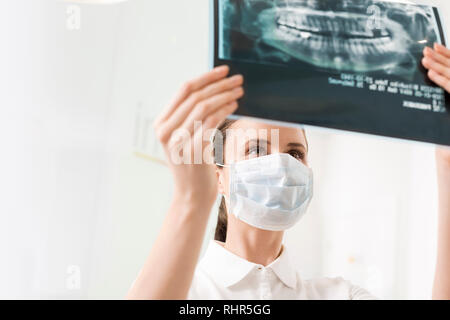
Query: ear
[{"x": 220, "y": 181}]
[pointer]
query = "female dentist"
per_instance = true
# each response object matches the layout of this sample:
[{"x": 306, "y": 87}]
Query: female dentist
[{"x": 264, "y": 193}]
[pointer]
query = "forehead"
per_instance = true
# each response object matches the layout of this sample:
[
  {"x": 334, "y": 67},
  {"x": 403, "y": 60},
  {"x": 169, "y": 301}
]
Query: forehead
[{"x": 249, "y": 127}]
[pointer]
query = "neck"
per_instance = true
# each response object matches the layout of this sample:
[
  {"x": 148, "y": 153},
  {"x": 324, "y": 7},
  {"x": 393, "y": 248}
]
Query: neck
[{"x": 253, "y": 244}]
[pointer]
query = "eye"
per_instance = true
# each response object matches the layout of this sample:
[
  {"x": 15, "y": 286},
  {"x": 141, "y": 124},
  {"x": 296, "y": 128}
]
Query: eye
[
  {"x": 256, "y": 150},
  {"x": 297, "y": 154}
]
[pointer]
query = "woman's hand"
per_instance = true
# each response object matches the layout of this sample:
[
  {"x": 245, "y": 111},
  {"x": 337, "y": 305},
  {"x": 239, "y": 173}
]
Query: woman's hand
[
  {"x": 443, "y": 158},
  {"x": 184, "y": 129},
  {"x": 441, "y": 288},
  {"x": 205, "y": 101},
  {"x": 437, "y": 62}
]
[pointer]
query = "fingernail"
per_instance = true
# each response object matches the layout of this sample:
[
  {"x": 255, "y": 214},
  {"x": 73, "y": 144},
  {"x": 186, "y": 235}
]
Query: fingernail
[
  {"x": 238, "y": 91},
  {"x": 221, "y": 69},
  {"x": 237, "y": 78}
]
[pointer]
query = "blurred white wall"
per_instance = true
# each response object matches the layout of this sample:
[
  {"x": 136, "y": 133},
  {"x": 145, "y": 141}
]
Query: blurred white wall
[{"x": 83, "y": 190}]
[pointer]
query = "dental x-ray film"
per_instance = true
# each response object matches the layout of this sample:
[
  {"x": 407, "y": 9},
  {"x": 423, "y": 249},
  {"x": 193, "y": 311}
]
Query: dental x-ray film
[{"x": 343, "y": 64}]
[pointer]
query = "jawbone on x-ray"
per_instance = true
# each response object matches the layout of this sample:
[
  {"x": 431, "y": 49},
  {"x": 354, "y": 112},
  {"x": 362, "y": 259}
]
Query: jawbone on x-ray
[
  {"x": 352, "y": 65},
  {"x": 340, "y": 35}
]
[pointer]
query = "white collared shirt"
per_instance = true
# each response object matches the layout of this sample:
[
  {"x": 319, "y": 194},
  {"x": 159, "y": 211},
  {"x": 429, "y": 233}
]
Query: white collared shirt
[{"x": 221, "y": 274}]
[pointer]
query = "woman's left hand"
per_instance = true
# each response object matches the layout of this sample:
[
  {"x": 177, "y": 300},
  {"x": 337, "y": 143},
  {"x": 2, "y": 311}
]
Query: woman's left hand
[{"x": 437, "y": 61}]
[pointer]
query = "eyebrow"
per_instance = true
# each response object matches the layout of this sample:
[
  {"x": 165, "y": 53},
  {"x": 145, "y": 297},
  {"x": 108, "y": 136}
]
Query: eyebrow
[
  {"x": 296, "y": 145},
  {"x": 290, "y": 144}
]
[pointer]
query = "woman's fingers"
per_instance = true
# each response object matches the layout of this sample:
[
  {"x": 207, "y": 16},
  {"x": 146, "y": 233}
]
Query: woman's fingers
[
  {"x": 442, "y": 50},
  {"x": 440, "y": 58},
  {"x": 197, "y": 100},
  {"x": 440, "y": 80},
  {"x": 220, "y": 86},
  {"x": 211, "y": 105},
  {"x": 196, "y": 135},
  {"x": 438, "y": 63},
  {"x": 189, "y": 87},
  {"x": 216, "y": 118},
  {"x": 432, "y": 64}
]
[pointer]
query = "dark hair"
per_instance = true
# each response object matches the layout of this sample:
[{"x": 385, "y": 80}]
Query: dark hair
[
  {"x": 219, "y": 158},
  {"x": 218, "y": 144}
]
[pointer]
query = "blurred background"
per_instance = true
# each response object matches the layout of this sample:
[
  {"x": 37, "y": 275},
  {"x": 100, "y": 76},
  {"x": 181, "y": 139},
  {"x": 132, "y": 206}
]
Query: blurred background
[{"x": 83, "y": 185}]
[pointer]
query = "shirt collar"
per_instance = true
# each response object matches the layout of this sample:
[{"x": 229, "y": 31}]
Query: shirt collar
[
  {"x": 227, "y": 269},
  {"x": 284, "y": 269}
]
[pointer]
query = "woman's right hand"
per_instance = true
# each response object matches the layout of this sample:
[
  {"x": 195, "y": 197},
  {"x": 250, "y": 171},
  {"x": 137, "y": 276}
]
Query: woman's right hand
[
  {"x": 206, "y": 100},
  {"x": 170, "y": 266}
]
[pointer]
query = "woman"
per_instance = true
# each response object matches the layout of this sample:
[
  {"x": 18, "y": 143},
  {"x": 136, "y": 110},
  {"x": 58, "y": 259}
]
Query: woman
[{"x": 266, "y": 186}]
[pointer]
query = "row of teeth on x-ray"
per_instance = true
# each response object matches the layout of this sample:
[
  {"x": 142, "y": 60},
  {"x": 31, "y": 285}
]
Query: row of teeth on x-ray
[
  {"x": 319, "y": 24},
  {"x": 315, "y": 32},
  {"x": 361, "y": 46}
]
